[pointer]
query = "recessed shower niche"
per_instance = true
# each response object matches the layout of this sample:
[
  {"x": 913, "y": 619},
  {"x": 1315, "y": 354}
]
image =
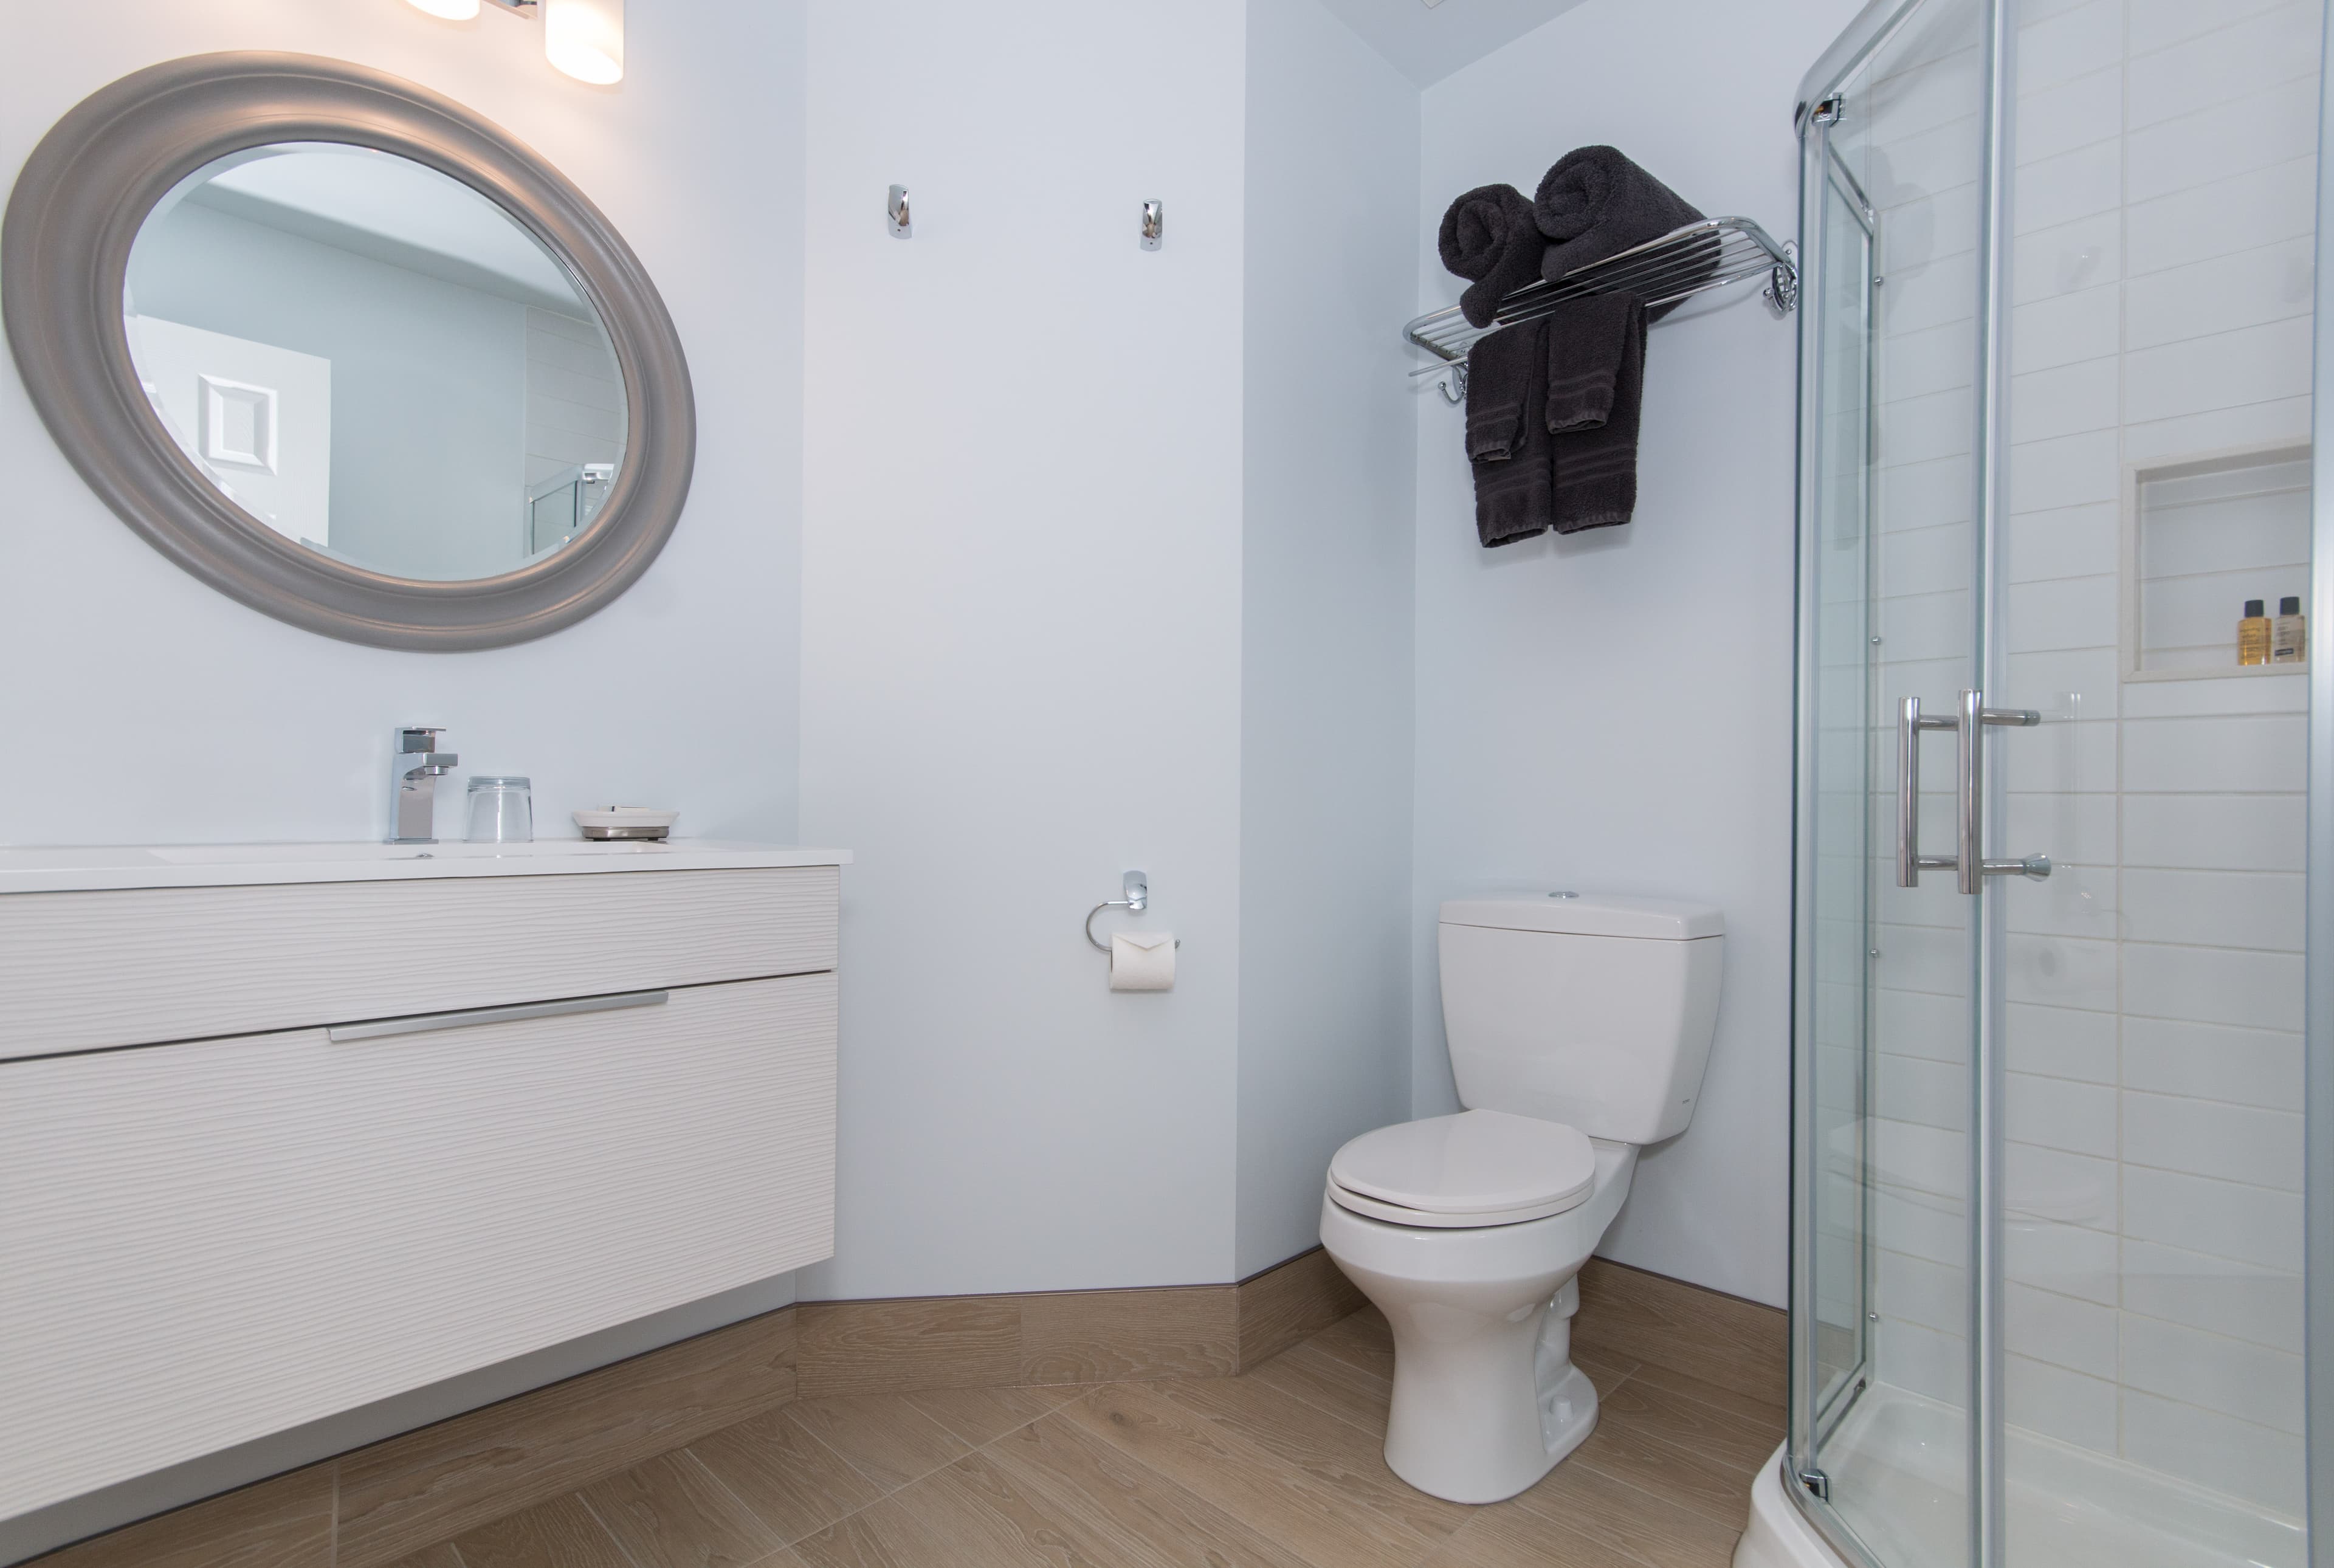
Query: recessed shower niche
[{"x": 2201, "y": 537}]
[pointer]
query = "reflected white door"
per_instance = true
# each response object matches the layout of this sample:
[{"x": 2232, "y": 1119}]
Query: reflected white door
[{"x": 257, "y": 420}]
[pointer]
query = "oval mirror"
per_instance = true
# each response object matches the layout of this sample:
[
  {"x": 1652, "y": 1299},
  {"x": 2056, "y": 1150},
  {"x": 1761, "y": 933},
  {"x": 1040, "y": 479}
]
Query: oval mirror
[
  {"x": 347, "y": 352},
  {"x": 374, "y": 361}
]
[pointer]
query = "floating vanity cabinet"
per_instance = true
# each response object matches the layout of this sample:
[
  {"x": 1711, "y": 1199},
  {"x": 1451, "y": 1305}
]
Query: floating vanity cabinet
[{"x": 273, "y": 1150}]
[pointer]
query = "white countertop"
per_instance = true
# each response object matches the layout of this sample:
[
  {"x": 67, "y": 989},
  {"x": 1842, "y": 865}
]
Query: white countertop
[{"x": 60, "y": 870}]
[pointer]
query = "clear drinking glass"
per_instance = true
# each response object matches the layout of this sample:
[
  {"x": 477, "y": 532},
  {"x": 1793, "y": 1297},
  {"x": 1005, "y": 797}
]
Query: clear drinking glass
[{"x": 502, "y": 810}]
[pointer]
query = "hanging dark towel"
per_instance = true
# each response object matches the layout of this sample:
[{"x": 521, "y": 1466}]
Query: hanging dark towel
[
  {"x": 1596, "y": 370},
  {"x": 1596, "y": 203},
  {"x": 1508, "y": 439},
  {"x": 1490, "y": 236}
]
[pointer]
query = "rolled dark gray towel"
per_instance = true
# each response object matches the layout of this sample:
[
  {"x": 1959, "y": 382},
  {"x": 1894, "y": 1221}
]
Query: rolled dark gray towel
[
  {"x": 1596, "y": 203},
  {"x": 1490, "y": 236}
]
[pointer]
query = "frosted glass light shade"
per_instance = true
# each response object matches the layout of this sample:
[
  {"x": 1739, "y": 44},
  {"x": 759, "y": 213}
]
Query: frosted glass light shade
[
  {"x": 585, "y": 38},
  {"x": 452, "y": 10}
]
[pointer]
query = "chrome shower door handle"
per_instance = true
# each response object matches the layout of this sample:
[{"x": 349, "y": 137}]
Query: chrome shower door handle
[
  {"x": 1910, "y": 861},
  {"x": 1969, "y": 860}
]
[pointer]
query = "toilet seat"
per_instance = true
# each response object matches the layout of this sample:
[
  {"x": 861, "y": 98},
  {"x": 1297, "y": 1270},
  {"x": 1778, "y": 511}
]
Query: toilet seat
[{"x": 1479, "y": 1168}]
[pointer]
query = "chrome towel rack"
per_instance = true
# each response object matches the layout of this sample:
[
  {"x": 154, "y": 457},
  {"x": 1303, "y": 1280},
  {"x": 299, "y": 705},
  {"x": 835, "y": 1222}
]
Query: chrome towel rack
[{"x": 1673, "y": 267}]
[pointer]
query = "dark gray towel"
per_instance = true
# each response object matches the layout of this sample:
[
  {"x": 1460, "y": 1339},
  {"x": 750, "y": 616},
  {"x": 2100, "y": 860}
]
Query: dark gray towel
[
  {"x": 1596, "y": 203},
  {"x": 1595, "y": 369},
  {"x": 1508, "y": 439},
  {"x": 1490, "y": 236}
]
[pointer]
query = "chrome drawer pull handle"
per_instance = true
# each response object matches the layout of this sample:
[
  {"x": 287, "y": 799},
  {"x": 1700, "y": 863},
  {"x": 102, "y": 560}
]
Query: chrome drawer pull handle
[{"x": 430, "y": 1023}]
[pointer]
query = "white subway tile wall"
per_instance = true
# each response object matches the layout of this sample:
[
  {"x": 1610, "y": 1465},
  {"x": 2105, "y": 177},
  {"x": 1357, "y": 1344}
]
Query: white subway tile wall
[
  {"x": 575, "y": 403},
  {"x": 2162, "y": 273}
]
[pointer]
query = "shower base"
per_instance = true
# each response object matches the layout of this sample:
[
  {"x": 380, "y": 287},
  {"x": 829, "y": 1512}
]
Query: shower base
[{"x": 1898, "y": 1469}]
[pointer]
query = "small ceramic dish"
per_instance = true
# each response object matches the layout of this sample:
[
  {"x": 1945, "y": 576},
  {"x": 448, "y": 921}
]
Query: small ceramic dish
[{"x": 625, "y": 822}]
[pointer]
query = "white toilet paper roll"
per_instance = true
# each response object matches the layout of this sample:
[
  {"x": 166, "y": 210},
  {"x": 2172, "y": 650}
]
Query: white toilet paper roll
[{"x": 1142, "y": 961}]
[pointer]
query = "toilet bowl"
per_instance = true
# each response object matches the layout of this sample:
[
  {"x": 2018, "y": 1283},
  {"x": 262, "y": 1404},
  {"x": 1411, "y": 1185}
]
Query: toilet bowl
[
  {"x": 1486, "y": 1399},
  {"x": 1579, "y": 1028}
]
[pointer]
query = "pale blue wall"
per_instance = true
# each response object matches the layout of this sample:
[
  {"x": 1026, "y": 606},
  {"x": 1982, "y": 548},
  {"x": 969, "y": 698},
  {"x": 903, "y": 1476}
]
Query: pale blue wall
[
  {"x": 1021, "y": 623},
  {"x": 1325, "y": 614},
  {"x": 1613, "y": 710},
  {"x": 182, "y": 717},
  {"x": 428, "y": 381},
  {"x": 164, "y": 712}
]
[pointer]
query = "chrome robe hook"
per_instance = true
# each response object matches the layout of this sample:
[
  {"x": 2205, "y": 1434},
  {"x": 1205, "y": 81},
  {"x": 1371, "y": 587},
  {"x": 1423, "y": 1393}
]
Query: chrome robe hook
[{"x": 1136, "y": 886}]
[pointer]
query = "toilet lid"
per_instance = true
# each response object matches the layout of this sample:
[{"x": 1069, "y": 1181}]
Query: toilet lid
[{"x": 1478, "y": 1162}]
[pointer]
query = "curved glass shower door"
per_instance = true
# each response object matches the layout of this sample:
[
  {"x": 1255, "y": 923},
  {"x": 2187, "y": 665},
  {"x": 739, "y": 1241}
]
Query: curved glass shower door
[
  {"x": 1888, "y": 973},
  {"x": 2056, "y": 434}
]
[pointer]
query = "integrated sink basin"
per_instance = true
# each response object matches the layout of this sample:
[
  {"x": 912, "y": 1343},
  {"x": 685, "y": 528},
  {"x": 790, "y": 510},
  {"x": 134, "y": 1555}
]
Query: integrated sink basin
[
  {"x": 48, "y": 870},
  {"x": 249, "y": 854}
]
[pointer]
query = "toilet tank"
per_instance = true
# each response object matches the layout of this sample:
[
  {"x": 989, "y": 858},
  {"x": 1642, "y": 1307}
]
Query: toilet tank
[{"x": 1584, "y": 1008}]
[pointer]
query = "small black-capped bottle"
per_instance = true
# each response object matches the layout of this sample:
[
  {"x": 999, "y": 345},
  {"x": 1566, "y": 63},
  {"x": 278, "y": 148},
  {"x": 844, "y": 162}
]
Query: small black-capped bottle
[
  {"x": 2288, "y": 638},
  {"x": 2252, "y": 635}
]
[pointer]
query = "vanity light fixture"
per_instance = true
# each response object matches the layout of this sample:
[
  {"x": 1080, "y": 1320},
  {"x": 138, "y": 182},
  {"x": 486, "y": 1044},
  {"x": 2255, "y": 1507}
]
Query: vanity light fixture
[{"x": 584, "y": 38}]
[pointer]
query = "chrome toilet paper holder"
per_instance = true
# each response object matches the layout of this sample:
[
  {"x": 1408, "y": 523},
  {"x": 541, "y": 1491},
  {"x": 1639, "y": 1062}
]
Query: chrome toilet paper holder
[{"x": 1135, "y": 897}]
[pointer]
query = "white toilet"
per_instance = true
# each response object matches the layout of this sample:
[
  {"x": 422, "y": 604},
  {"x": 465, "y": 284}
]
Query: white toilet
[{"x": 1580, "y": 1025}]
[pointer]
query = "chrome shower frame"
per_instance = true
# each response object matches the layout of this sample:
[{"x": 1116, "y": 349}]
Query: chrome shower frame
[{"x": 2318, "y": 1017}]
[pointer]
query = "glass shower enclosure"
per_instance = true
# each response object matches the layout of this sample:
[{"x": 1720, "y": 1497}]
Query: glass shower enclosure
[{"x": 2055, "y": 1024}]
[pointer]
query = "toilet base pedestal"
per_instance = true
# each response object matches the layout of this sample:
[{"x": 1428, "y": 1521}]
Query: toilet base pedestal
[{"x": 1482, "y": 1413}]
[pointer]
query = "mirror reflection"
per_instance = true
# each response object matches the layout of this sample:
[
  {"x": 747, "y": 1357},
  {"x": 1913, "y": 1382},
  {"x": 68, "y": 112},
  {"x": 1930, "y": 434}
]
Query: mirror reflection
[{"x": 374, "y": 359}]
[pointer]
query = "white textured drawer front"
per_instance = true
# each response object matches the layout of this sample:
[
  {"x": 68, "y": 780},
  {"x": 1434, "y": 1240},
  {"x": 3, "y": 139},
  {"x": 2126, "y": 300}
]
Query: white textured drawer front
[
  {"x": 203, "y": 1243},
  {"x": 79, "y": 971}
]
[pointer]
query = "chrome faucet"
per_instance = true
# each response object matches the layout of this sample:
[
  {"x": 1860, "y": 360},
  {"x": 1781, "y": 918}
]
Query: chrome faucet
[{"x": 413, "y": 790}]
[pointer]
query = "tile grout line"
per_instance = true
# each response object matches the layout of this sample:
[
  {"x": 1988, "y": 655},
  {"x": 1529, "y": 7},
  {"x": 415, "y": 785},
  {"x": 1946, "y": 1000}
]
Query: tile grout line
[
  {"x": 1172, "y": 1484},
  {"x": 885, "y": 1496},
  {"x": 1780, "y": 1415},
  {"x": 1676, "y": 1446},
  {"x": 1321, "y": 1410},
  {"x": 613, "y": 1539},
  {"x": 688, "y": 1452},
  {"x": 881, "y": 1491}
]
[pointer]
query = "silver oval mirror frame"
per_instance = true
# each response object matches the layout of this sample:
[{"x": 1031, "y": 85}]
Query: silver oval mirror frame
[{"x": 75, "y": 213}]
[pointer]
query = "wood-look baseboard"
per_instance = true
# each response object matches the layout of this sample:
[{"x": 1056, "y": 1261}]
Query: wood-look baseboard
[
  {"x": 378, "y": 1504},
  {"x": 1103, "y": 1336},
  {"x": 1727, "y": 1347}
]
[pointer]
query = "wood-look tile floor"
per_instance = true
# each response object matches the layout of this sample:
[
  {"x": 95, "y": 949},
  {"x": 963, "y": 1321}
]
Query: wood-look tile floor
[{"x": 1279, "y": 1468}]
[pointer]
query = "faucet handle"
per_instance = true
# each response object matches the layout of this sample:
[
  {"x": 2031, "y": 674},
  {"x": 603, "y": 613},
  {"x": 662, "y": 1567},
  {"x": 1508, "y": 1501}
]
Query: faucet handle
[{"x": 417, "y": 738}]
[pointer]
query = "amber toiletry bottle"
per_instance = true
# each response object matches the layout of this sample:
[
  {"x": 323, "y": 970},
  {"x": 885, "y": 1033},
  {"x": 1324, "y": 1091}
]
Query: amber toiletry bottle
[
  {"x": 2252, "y": 635},
  {"x": 2288, "y": 638}
]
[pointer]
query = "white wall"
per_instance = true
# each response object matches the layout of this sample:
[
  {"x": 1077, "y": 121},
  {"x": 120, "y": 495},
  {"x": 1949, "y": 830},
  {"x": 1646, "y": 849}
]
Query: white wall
[
  {"x": 161, "y": 711},
  {"x": 1614, "y": 711},
  {"x": 1021, "y": 631},
  {"x": 1326, "y": 674}
]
